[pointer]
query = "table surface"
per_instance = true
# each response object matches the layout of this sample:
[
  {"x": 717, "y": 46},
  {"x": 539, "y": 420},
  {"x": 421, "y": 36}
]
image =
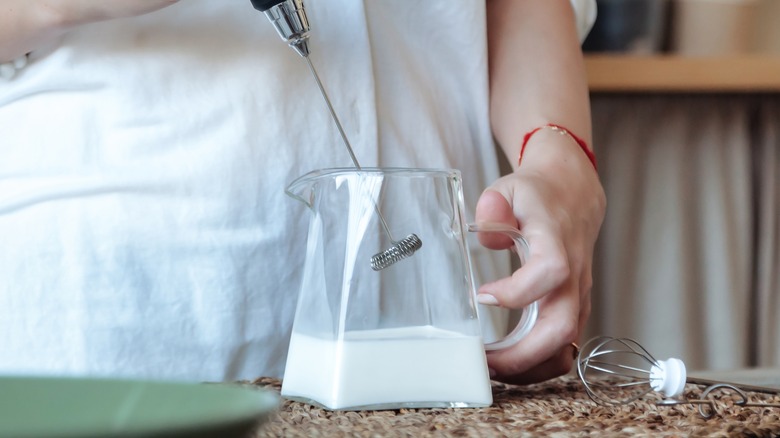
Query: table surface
[{"x": 559, "y": 407}]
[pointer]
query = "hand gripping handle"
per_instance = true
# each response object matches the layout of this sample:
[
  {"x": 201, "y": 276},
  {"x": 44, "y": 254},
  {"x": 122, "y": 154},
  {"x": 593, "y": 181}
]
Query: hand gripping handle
[{"x": 530, "y": 312}]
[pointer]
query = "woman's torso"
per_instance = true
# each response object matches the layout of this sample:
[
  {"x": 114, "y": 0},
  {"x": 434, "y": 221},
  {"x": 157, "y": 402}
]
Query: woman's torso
[{"x": 143, "y": 221}]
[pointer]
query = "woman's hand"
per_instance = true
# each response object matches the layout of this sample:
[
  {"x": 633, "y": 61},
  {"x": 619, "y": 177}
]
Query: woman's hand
[
  {"x": 26, "y": 25},
  {"x": 557, "y": 202},
  {"x": 537, "y": 77}
]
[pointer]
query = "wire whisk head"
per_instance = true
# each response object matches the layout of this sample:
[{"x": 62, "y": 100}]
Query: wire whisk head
[
  {"x": 400, "y": 250},
  {"x": 617, "y": 371}
]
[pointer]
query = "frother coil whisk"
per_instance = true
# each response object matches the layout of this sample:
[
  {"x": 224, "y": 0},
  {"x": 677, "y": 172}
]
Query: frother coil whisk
[
  {"x": 291, "y": 23},
  {"x": 617, "y": 371},
  {"x": 399, "y": 250}
]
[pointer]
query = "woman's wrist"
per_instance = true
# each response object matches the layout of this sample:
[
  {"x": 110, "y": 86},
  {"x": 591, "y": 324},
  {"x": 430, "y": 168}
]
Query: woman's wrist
[
  {"x": 560, "y": 130},
  {"x": 549, "y": 151}
]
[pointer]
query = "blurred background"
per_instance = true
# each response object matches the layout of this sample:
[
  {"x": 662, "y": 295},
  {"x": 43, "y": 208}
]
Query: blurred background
[
  {"x": 688, "y": 27},
  {"x": 686, "y": 119}
]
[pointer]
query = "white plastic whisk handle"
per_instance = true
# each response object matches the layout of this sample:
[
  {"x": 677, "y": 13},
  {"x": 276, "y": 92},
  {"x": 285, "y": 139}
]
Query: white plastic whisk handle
[{"x": 668, "y": 377}]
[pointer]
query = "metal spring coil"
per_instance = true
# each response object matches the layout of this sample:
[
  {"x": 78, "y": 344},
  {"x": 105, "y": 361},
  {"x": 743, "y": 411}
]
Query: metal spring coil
[{"x": 400, "y": 250}]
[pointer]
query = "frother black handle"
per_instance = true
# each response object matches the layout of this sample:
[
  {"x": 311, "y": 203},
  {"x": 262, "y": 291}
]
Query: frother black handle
[{"x": 264, "y": 5}]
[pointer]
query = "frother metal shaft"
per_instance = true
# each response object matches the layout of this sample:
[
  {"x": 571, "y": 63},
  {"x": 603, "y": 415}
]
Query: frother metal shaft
[
  {"x": 400, "y": 249},
  {"x": 291, "y": 23},
  {"x": 333, "y": 115}
]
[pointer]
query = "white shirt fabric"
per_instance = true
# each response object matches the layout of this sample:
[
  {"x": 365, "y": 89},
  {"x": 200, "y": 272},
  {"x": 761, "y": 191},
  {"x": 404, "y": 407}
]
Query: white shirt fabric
[{"x": 144, "y": 229}]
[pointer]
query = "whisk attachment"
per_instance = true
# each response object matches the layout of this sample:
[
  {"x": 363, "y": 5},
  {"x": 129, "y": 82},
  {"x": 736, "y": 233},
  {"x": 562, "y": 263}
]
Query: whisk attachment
[
  {"x": 617, "y": 371},
  {"x": 400, "y": 250}
]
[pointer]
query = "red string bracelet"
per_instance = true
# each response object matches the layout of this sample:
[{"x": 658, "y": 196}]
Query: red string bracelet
[{"x": 563, "y": 131}]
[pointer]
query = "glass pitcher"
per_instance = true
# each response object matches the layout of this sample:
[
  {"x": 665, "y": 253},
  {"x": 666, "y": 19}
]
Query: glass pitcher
[{"x": 402, "y": 334}]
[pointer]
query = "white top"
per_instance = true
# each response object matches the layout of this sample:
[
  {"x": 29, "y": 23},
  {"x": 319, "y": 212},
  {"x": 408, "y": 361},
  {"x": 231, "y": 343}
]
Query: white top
[{"x": 144, "y": 229}]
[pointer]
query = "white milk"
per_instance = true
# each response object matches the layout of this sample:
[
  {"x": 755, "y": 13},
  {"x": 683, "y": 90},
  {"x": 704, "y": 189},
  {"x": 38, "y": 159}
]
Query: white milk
[{"x": 389, "y": 368}]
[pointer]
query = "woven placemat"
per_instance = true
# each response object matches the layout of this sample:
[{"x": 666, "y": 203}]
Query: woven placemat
[{"x": 558, "y": 407}]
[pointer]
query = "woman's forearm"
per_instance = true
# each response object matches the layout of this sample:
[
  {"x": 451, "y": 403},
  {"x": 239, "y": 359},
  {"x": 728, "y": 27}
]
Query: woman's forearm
[
  {"x": 26, "y": 25},
  {"x": 537, "y": 74}
]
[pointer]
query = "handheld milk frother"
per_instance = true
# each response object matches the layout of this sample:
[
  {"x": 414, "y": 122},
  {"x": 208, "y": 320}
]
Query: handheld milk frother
[{"x": 290, "y": 20}]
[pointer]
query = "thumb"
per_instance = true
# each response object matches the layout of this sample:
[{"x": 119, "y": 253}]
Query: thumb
[{"x": 493, "y": 207}]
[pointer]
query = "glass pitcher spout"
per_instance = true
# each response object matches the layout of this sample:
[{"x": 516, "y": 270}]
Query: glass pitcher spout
[
  {"x": 302, "y": 188},
  {"x": 358, "y": 192}
]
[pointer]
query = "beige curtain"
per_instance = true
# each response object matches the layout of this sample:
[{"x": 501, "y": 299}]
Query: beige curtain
[
  {"x": 767, "y": 276},
  {"x": 687, "y": 260}
]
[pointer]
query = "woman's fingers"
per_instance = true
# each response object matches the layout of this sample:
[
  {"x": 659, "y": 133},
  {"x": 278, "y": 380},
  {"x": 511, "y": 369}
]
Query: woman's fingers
[
  {"x": 546, "y": 269},
  {"x": 493, "y": 207},
  {"x": 556, "y": 328}
]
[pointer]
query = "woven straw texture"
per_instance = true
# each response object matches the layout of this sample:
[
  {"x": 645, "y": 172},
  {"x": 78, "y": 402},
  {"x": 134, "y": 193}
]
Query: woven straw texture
[{"x": 559, "y": 407}]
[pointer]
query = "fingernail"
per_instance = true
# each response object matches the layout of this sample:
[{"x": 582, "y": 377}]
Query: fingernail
[
  {"x": 492, "y": 372},
  {"x": 487, "y": 299}
]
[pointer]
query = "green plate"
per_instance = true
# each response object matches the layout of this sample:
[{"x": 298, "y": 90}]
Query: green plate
[{"x": 45, "y": 407}]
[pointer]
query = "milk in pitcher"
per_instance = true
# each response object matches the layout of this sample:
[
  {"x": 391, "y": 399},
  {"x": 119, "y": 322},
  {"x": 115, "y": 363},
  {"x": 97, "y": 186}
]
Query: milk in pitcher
[{"x": 419, "y": 366}]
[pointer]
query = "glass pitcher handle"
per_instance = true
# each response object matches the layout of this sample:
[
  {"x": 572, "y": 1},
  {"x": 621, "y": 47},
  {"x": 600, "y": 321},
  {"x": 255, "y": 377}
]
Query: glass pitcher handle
[{"x": 530, "y": 312}]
